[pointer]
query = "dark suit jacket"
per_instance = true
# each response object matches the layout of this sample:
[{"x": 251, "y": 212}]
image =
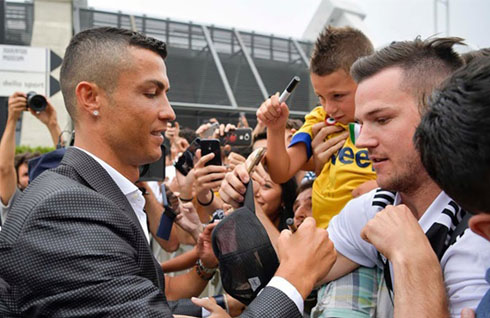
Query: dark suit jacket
[{"x": 73, "y": 246}]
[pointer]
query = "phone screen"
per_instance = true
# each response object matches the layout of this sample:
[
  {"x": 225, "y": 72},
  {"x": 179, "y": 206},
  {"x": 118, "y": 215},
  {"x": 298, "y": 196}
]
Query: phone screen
[{"x": 211, "y": 146}]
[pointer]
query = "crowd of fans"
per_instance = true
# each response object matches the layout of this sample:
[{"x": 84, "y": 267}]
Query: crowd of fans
[{"x": 397, "y": 244}]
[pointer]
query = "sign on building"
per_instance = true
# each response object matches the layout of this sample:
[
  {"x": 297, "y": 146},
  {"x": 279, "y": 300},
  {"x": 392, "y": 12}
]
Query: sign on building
[{"x": 25, "y": 69}]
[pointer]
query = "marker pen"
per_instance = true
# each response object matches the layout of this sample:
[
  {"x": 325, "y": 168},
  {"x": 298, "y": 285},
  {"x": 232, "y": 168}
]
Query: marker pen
[{"x": 289, "y": 89}]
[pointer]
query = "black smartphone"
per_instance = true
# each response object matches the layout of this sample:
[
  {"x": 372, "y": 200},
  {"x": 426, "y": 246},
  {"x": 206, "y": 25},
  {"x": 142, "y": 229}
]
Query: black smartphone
[
  {"x": 238, "y": 137},
  {"x": 211, "y": 146}
]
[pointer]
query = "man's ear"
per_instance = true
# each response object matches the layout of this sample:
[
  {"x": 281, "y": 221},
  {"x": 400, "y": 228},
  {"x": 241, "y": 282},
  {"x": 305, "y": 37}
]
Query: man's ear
[
  {"x": 88, "y": 97},
  {"x": 480, "y": 224}
]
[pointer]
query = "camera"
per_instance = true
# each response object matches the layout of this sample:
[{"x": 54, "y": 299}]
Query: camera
[{"x": 36, "y": 102}]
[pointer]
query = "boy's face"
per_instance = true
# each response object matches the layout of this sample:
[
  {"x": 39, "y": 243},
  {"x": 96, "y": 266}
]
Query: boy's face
[{"x": 336, "y": 92}]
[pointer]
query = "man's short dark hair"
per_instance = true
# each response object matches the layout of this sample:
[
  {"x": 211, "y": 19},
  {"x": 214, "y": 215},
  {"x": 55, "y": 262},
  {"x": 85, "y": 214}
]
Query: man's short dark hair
[
  {"x": 425, "y": 64},
  {"x": 338, "y": 48},
  {"x": 188, "y": 134},
  {"x": 22, "y": 158},
  {"x": 99, "y": 55},
  {"x": 305, "y": 185},
  {"x": 453, "y": 137}
]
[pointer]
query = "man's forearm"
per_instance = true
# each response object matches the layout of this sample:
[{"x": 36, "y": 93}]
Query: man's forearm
[
  {"x": 55, "y": 132},
  {"x": 8, "y": 177},
  {"x": 419, "y": 288}
]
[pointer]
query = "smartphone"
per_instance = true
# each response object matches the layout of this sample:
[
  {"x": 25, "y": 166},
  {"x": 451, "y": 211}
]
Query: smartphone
[
  {"x": 211, "y": 146},
  {"x": 210, "y": 131},
  {"x": 237, "y": 137},
  {"x": 254, "y": 158}
]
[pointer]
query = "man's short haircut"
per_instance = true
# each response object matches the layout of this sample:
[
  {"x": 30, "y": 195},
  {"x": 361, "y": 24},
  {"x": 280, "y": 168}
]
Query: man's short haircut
[
  {"x": 469, "y": 56},
  {"x": 188, "y": 134},
  {"x": 453, "y": 137},
  {"x": 338, "y": 48},
  {"x": 22, "y": 158},
  {"x": 425, "y": 64},
  {"x": 305, "y": 185},
  {"x": 99, "y": 55}
]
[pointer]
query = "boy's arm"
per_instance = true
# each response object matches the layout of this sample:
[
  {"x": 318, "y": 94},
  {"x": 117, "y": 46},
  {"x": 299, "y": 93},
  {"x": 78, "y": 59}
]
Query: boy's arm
[{"x": 282, "y": 163}]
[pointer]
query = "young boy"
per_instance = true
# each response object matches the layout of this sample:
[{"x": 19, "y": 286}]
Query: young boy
[{"x": 342, "y": 171}]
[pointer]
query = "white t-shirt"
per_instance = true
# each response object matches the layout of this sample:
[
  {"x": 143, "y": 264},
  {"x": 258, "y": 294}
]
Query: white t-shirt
[{"x": 463, "y": 264}]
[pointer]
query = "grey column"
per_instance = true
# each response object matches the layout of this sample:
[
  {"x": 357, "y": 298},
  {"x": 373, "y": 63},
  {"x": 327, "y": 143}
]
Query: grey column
[
  {"x": 301, "y": 52},
  {"x": 251, "y": 63},
  {"x": 219, "y": 66}
]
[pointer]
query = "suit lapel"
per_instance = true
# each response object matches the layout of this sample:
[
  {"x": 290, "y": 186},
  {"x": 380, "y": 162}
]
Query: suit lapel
[{"x": 100, "y": 181}]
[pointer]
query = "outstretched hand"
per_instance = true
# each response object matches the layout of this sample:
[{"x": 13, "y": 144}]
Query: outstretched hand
[
  {"x": 205, "y": 247},
  {"x": 188, "y": 219},
  {"x": 210, "y": 305}
]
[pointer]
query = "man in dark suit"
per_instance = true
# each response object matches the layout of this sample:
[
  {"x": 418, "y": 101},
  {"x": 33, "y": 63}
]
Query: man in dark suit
[{"x": 76, "y": 243}]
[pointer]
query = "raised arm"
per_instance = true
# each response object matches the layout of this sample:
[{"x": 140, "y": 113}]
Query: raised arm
[
  {"x": 49, "y": 118},
  {"x": 8, "y": 177},
  {"x": 280, "y": 161},
  {"x": 419, "y": 285}
]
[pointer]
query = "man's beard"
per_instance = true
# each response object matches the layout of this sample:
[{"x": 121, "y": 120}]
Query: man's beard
[{"x": 407, "y": 178}]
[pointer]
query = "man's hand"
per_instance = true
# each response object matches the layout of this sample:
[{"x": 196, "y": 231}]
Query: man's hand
[
  {"x": 210, "y": 305},
  {"x": 207, "y": 177},
  {"x": 16, "y": 105},
  {"x": 48, "y": 116},
  {"x": 272, "y": 114},
  {"x": 419, "y": 284},
  {"x": 205, "y": 247},
  {"x": 188, "y": 219},
  {"x": 233, "y": 187},
  {"x": 305, "y": 256},
  {"x": 396, "y": 234},
  {"x": 223, "y": 130},
  {"x": 324, "y": 149},
  {"x": 235, "y": 159}
]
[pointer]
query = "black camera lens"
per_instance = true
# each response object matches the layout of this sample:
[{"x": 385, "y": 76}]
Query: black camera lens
[{"x": 36, "y": 102}]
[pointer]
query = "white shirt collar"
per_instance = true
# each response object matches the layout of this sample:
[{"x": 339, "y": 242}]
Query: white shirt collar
[
  {"x": 122, "y": 182},
  {"x": 129, "y": 189}
]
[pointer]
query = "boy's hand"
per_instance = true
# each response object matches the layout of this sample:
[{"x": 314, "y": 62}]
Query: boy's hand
[
  {"x": 324, "y": 149},
  {"x": 272, "y": 114}
]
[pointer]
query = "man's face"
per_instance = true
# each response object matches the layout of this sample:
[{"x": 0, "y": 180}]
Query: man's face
[
  {"x": 136, "y": 112},
  {"x": 22, "y": 172},
  {"x": 389, "y": 116},
  {"x": 302, "y": 206},
  {"x": 336, "y": 92}
]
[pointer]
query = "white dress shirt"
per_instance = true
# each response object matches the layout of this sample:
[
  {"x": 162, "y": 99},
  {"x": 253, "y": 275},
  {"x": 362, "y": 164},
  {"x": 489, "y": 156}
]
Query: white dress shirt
[{"x": 131, "y": 191}]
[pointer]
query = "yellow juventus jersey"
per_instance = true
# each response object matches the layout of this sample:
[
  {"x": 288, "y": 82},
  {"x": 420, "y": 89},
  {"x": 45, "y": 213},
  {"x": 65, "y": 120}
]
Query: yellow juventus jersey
[{"x": 345, "y": 171}]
